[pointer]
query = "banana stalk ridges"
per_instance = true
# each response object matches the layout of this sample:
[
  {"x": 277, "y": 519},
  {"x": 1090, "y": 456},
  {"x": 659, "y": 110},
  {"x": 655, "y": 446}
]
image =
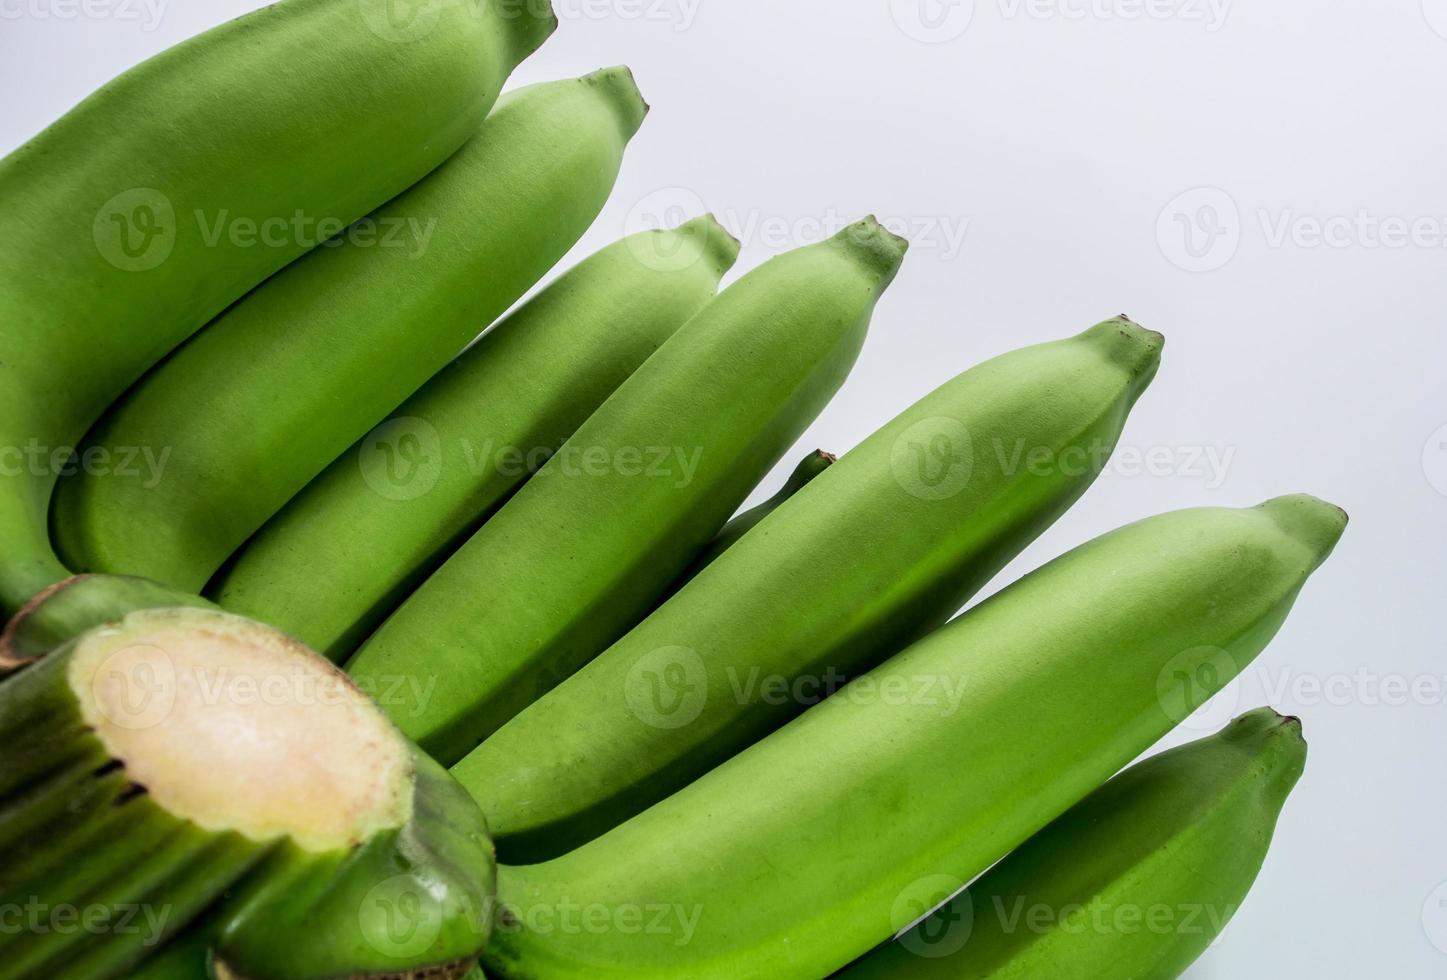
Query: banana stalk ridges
[{"x": 125, "y": 748}]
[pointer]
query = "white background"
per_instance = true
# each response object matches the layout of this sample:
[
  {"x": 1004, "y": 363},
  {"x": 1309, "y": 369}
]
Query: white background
[{"x": 1047, "y": 159}]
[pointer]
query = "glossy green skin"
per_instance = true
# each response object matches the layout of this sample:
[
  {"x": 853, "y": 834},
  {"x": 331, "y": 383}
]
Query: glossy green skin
[
  {"x": 262, "y": 400},
  {"x": 1132, "y": 883},
  {"x": 856, "y": 566},
  {"x": 407, "y": 900},
  {"x": 301, "y": 106},
  {"x": 295, "y": 915},
  {"x": 797, "y": 853},
  {"x": 63, "y": 797},
  {"x": 585, "y": 548},
  {"x": 354, "y": 544}
]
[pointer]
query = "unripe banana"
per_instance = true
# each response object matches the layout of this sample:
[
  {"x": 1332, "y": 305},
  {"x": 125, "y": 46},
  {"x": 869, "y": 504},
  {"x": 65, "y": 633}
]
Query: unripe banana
[
  {"x": 263, "y": 399},
  {"x": 589, "y": 543},
  {"x": 809, "y": 467},
  {"x": 1136, "y": 880},
  {"x": 138, "y": 216},
  {"x": 360, "y": 538},
  {"x": 885, "y": 546},
  {"x": 794, "y": 858},
  {"x": 153, "y": 763},
  {"x": 732, "y": 532}
]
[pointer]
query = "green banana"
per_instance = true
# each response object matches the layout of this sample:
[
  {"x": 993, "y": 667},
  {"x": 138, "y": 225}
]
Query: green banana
[
  {"x": 359, "y": 539},
  {"x": 1136, "y": 880},
  {"x": 125, "y": 749},
  {"x": 885, "y": 546},
  {"x": 809, "y": 467},
  {"x": 162, "y": 198},
  {"x": 793, "y": 858},
  {"x": 264, "y": 398},
  {"x": 589, "y": 543}
]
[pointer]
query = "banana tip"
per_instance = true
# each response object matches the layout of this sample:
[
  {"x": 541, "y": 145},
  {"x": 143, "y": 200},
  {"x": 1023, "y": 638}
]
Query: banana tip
[
  {"x": 1315, "y": 522},
  {"x": 717, "y": 243},
  {"x": 619, "y": 84},
  {"x": 1131, "y": 346},
  {"x": 876, "y": 246}
]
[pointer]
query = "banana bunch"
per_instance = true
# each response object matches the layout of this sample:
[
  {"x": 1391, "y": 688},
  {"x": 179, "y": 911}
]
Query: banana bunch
[{"x": 429, "y": 640}]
